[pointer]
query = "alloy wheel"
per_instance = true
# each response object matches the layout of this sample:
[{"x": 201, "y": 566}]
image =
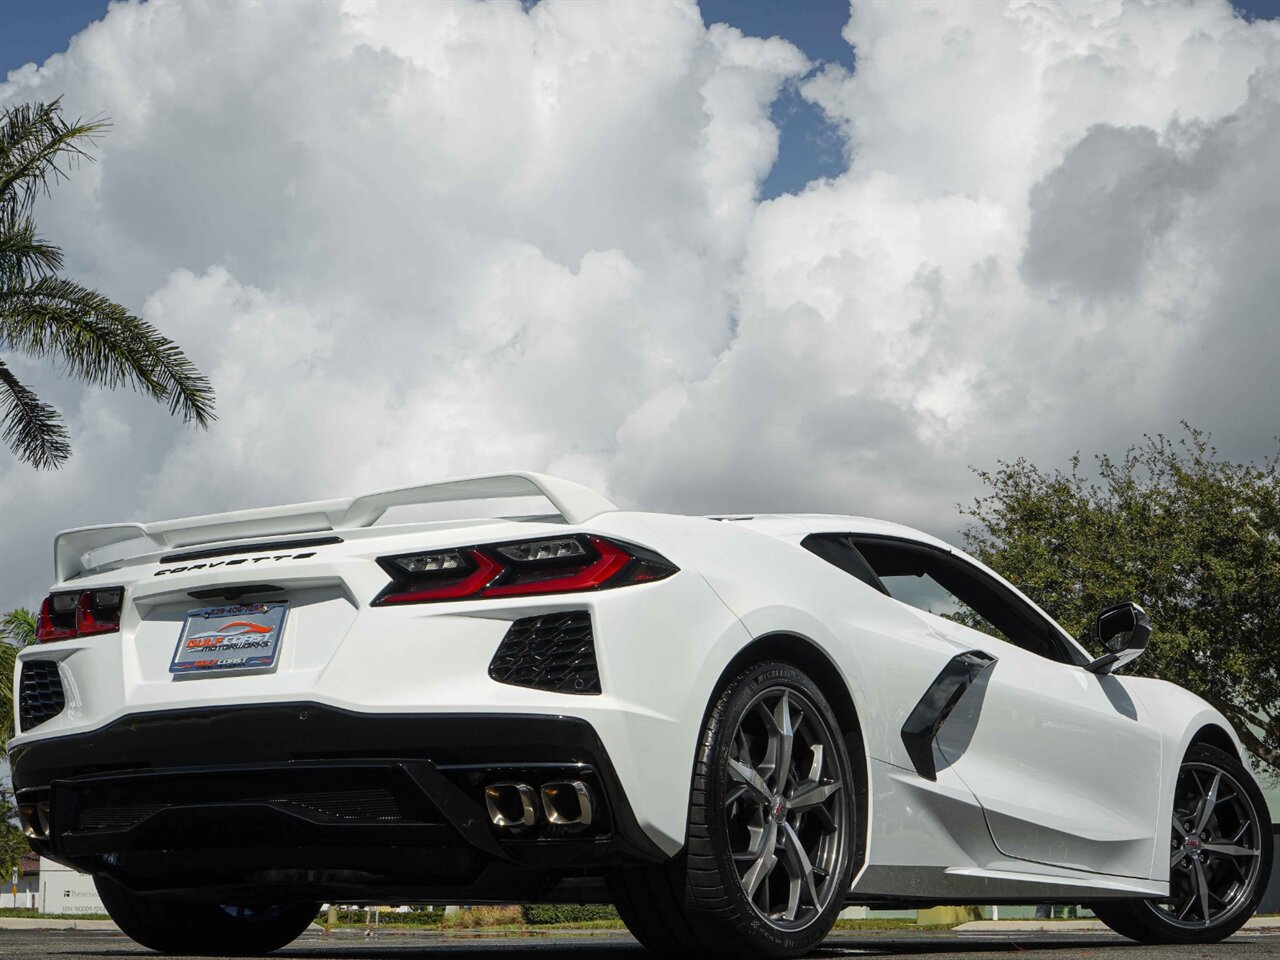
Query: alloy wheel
[
  {"x": 1215, "y": 848},
  {"x": 785, "y": 808}
]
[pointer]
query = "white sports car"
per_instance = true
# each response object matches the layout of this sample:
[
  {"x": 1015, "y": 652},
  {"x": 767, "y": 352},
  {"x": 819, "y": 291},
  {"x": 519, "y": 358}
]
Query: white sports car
[{"x": 729, "y": 727}]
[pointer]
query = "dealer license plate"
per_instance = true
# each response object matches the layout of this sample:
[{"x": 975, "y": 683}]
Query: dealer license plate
[{"x": 237, "y": 637}]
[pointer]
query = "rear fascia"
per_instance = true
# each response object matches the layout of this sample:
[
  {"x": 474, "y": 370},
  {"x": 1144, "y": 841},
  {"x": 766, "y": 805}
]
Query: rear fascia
[
  {"x": 439, "y": 845},
  {"x": 426, "y": 660}
]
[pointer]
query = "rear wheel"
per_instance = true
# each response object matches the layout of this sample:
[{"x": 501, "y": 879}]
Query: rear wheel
[
  {"x": 183, "y": 928},
  {"x": 771, "y": 829},
  {"x": 1220, "y": 855}
]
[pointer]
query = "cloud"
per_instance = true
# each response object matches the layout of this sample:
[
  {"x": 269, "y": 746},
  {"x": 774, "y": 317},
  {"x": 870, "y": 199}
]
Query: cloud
[{"x": 409, "y": 241}]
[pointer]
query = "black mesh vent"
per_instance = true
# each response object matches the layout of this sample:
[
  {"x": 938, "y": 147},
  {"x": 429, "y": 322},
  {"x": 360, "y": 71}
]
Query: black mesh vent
[
  {"x": 363, "y": 806},
  {"x": 117, "y": 818},
  {"x": 350, "y": 806},
  {"x": 551, "y": 652},
  {"x": 41, "y": 697},
  {"x": 321, "y": 794}
]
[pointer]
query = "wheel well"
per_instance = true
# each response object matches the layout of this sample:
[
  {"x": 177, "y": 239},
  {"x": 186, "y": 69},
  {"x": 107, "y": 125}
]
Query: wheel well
[
  {"x": 821, "y": 669},
  {"x": 806, "y": 655},
  {"x": 1215, "y": 736}
]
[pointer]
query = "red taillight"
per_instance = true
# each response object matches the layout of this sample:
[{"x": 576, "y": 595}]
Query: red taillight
[
  {"x": 47, "y": 627},
  {"x": 83, "y": 614},
  {"x": 484, "y": 573},
  {"x": 524, "y": 569}
]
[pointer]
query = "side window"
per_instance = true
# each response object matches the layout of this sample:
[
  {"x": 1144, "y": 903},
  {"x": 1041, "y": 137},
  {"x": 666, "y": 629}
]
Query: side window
[
  {"x": 942, "y": 584},
  {"x": 838, "y": 550}
]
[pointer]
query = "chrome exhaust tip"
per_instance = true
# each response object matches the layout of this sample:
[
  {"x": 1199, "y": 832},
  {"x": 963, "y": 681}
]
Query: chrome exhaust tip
[
  {"x": 34, "y": 819},
  {"x": 567, "y": 803},
  {"x": 511, "y": 806}
]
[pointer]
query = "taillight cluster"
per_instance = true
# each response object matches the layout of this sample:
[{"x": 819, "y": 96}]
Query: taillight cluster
[
  {"x": 523, "y": 569},
  {"x": 80, "y": 614}
]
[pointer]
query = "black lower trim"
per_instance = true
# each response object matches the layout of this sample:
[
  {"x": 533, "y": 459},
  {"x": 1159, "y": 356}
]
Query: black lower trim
[
  {"x": 305, "y": 800},
  {"x": 935, "y": 706}
]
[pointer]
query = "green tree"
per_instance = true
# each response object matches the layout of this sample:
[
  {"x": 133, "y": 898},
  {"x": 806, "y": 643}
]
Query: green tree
[
  {"x": 13, "y": 842},
  {"x": 45, "y": 316},
  {"x": 1193, "y": 538},
  {"x": 17, "y": 630}
]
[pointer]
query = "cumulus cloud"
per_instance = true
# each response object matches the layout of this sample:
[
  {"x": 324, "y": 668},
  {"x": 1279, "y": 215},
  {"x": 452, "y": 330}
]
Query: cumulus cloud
[{"x": 409, "y": 241}]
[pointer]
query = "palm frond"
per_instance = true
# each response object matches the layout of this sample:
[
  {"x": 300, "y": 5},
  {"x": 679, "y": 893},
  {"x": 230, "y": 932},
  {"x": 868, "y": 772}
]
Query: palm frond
[
  {"x": 100, "y": 342},
  {"x": 44, "y": 315},
  {"x": 24, "y": 256},
  {"x": 8, "y": 664},
  {"x": 33, "y": 140},
  {"x": 31, "y": 428},
  {"x": 18, "y": 628}
]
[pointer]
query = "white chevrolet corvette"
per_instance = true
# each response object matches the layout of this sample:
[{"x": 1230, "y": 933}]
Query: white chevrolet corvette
[{"x": 729, "y": 727}]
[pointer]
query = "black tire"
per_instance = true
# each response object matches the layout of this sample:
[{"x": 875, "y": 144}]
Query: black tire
[
  {"x": 698, "y": 905},
  {"x": 1155, "y": 921},
  {"x": 206, "y": 929}
]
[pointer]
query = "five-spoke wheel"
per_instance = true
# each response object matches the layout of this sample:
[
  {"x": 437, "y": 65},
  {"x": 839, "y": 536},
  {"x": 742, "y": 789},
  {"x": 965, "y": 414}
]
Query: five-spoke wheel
[
  {"x": 783, "y": 808},
  {"x": 1217, "y": 847},
  {"x": 1220, "y": 857},
  {"x": 772, "y": 824}
]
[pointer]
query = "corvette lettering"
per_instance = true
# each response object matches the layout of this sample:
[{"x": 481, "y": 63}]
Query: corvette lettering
[{"x": 233, "y": 563}]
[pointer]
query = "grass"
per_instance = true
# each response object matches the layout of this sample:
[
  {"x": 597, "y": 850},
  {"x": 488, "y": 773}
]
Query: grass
[
  {"x": 508, "y": 920},
  {"x": 485, "y": 916},
  {"x": 504, "y": 919},
  {"x": 891, "y": 923}
]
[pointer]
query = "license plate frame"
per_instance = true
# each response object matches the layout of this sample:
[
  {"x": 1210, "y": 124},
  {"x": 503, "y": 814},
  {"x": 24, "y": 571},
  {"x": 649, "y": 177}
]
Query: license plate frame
[{"x": 234, "y": 638}]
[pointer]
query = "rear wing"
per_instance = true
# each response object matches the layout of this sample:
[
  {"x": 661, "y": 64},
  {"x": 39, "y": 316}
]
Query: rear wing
[{"x": 575, "y": 503}]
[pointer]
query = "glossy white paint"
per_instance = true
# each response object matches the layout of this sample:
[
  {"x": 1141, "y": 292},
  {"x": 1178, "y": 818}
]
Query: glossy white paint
[{"x": 1049, "y": 778}]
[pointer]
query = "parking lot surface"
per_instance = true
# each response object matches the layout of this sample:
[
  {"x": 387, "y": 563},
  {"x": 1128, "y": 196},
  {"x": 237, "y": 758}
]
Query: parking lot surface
[{"x": 94, "y": 945}]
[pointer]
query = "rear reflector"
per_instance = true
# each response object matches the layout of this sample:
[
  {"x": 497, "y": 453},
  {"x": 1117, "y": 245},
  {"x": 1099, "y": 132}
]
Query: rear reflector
[{"x": 524, "y": 569}]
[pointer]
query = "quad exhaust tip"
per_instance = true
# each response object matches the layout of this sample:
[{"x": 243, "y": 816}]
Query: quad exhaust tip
[
  {"x": 567, "y": 803},
  {"x": 514, "y": 806},
  {"x": 511, "y": 805}
]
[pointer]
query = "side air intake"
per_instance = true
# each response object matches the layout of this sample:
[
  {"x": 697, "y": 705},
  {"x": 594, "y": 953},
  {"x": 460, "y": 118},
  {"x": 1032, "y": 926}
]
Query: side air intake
[
  {"x": 555, "y": 651},
  {"x": 40, "y": 694}
]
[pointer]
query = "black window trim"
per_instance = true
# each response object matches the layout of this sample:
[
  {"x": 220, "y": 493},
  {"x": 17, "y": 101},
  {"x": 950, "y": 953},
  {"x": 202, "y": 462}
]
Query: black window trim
[
  {"x": 1069, "y": 653},
  {"x": 864, "y": 575}
]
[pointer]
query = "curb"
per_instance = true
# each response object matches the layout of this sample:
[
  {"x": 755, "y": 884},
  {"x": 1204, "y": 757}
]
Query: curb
[
  {"x": 1038, "y": 926},
  {"x": 1077, "y": 926},
  {"x": 55, "y": 923},
  {"x": 61, "y": 923}
]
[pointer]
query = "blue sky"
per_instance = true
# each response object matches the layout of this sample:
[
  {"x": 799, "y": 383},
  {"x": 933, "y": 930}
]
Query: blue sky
[{"x": 31, "y": 30}]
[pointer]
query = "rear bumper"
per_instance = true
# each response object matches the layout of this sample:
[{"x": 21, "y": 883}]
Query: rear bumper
[{"x": 308, "y": 801}]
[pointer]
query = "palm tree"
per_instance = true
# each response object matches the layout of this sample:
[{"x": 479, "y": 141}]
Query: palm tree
[
  {"x": 17, "y": 630},
  {"x": 46, "y": 316}
]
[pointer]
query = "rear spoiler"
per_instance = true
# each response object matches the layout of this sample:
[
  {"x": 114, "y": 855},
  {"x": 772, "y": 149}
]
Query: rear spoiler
[{"x": 575, "y": 503}]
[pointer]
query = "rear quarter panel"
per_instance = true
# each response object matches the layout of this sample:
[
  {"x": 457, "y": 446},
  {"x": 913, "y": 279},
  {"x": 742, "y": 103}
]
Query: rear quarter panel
[{"x": 884, "y": 654}]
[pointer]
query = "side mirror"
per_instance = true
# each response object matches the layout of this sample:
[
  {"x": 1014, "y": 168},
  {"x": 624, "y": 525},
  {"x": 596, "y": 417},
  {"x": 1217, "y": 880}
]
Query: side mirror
[{"x": 1123, "y": 631}]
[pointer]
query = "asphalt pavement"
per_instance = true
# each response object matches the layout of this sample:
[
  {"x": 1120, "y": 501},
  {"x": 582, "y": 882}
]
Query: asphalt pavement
[{"x": 98, "y": 945}]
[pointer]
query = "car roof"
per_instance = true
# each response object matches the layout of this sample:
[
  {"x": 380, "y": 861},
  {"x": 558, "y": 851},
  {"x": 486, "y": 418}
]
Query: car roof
[{"x": 782, "y": 524}]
